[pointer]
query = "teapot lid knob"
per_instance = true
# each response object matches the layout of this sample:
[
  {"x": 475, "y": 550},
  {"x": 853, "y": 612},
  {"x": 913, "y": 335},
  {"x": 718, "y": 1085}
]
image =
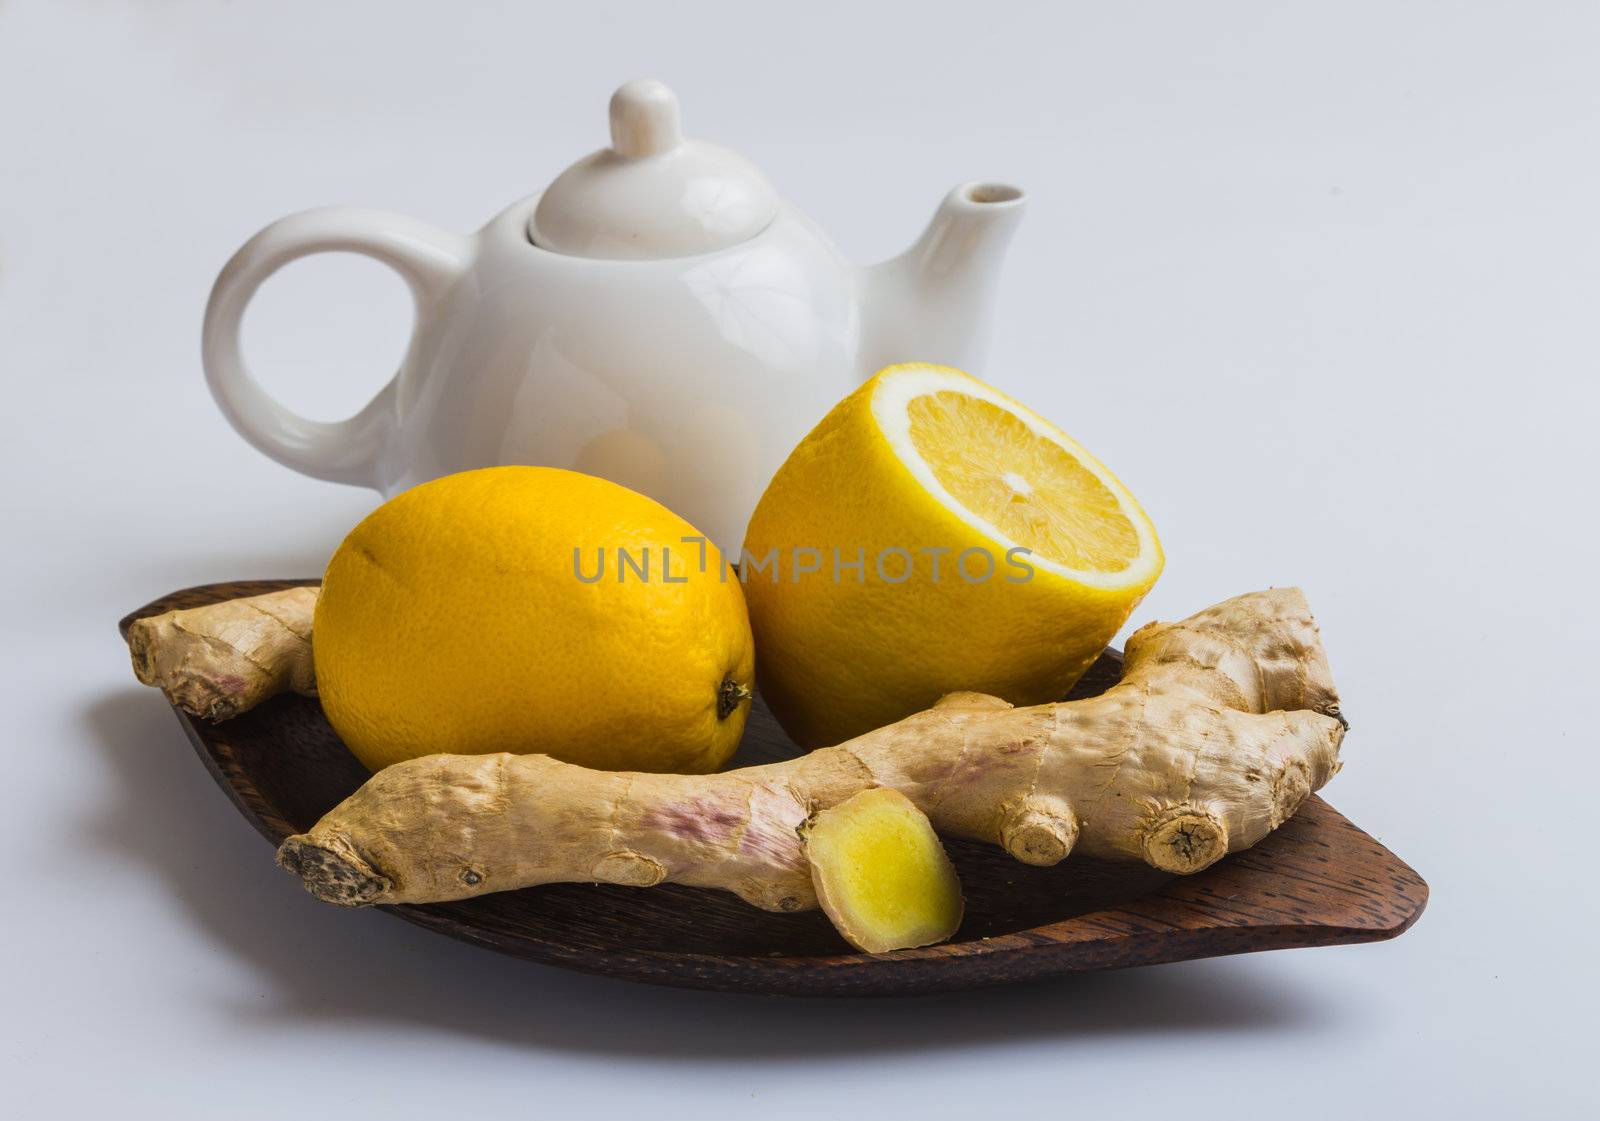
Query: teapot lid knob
[
  {"x": 653, "y": 194},
  {"x": 644, "y": 119}
]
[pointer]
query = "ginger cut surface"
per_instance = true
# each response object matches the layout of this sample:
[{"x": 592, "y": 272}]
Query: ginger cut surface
[
  {"x": 881, "y": 874},
  {"x": 1221, "y": 726}
]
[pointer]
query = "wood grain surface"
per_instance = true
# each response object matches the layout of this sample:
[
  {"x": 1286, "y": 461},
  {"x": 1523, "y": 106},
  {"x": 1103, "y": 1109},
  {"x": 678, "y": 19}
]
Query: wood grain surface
[{"x": 1317, "y": 881}]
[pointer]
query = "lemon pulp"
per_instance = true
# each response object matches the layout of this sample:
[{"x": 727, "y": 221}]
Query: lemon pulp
[{"x": 1029, "y": 487}]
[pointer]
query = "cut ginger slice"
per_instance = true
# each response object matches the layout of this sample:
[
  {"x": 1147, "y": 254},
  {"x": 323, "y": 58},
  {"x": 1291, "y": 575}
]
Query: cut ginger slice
[{"x": 881, "y": 874}]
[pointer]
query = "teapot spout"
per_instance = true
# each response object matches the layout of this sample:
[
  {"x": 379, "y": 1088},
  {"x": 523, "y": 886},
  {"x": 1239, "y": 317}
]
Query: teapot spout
[{"x": 933, "y": 303}]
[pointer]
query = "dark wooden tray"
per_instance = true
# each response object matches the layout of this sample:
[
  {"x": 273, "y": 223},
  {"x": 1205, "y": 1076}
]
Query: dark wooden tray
[{"x": 1317, "y": 881}]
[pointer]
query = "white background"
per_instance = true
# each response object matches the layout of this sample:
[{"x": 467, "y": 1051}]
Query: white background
[{"x": 1320, "y": 282}]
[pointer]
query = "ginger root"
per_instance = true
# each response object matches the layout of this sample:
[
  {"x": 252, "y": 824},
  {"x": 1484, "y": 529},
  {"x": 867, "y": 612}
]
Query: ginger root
[
  {"x": 1221, "y": 726},
  {"x": 881, "y": 874},
  {"x": 219, "y": 660}
]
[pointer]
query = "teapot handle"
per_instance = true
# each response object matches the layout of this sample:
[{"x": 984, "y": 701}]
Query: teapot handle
[{"x": 347, "y": 451}]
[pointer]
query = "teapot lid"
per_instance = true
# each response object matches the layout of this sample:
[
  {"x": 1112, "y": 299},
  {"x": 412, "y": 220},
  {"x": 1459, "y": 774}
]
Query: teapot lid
[{"x": 652, "y": 193}]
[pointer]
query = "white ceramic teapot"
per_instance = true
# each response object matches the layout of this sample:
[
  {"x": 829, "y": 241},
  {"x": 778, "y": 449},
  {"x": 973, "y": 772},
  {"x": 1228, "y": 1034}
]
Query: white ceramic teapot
[{"x": 658, "y": 317}]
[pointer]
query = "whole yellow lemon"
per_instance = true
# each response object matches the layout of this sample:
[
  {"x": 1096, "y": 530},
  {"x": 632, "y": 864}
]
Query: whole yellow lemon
[{"x": 533, "y": 610}]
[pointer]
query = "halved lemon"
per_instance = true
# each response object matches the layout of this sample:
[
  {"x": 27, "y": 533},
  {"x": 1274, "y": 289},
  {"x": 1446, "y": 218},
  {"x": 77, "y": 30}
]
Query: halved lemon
[{"x": 933, "y": 535}]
